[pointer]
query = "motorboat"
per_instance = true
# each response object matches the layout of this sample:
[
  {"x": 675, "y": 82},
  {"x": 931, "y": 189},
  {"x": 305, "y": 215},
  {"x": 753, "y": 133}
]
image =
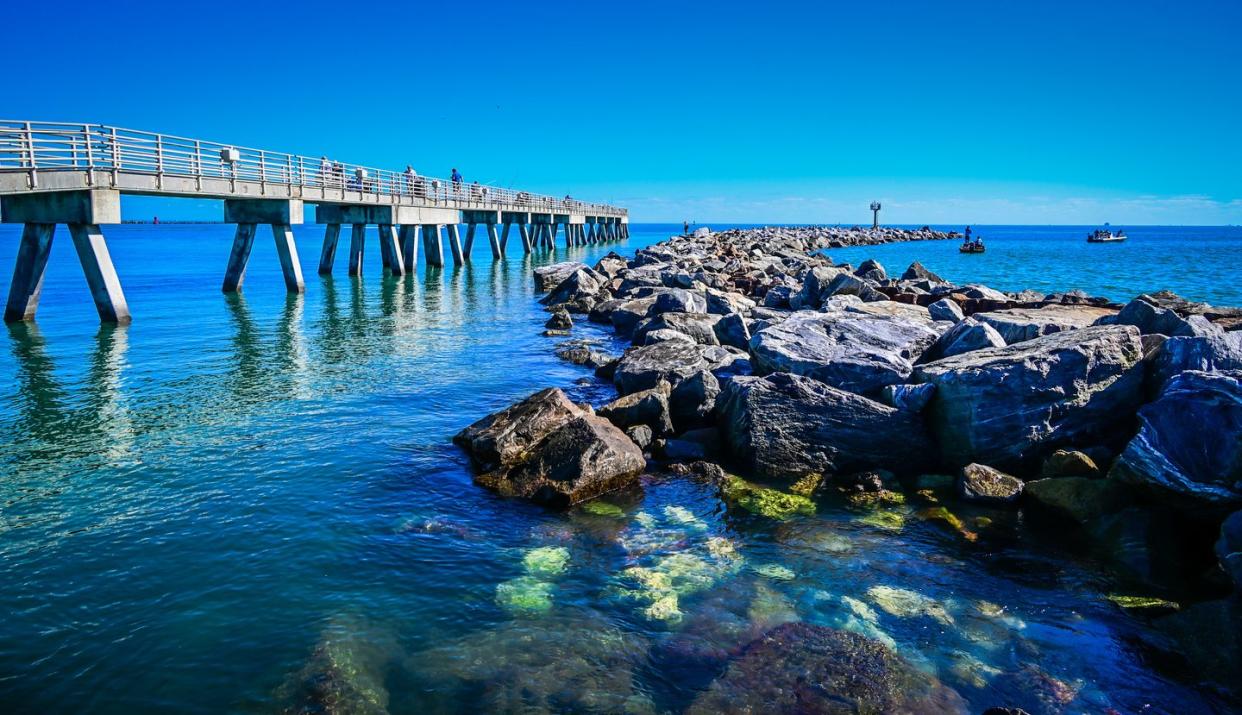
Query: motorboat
[
  {"x": 1106, "y": 235},
  {"x": 975, "y": 246}
]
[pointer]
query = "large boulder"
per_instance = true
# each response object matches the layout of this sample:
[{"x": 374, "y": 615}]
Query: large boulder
[
  {"x": 501, "y": 438},
  {"x": 1018, "y": 324},
  {"x": 788, "y": 426},
  {"x": 645, "y": 407},
  {"x": 579, "y": 285},
  {"x": 806, "y": 668},
  {"x": 679, "y": 300},
  {"x": 814, "y": 288},
  {"x": 854, "y": 352},
  {"x": 966, "y": 336},
  {"x": 917, "y": 272},
  {"x": 946, "y": 309},
  {"x": 1189, "y": 445},
  {"x": 625, "y": 316},
  {"x": 986, "y": 485},
  {"x": 1152, "y": 319},
  {"x": 700, "y": 327},
  {"x": 1008, "y": 406},
  {"x": 546, "y": 277},
  {"x": 1206, "y": 353},
  {"x": 849, "y": 284},
  {"x": 673, "y": 361},
  {"x": 584, "y": 458}
]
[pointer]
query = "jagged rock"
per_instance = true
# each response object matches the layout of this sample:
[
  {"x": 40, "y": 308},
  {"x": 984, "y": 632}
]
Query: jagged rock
[
  {"x": 546, "y": 277},
  {"x": 966, "y": 336},
  {"x": 1069, "y": 463},
  {"x": 580, "y": 285},
  {"x": 1149, "y": 318},
  {"x": 626, "y": 316},
  {"x": 778, "y": 297},
  {"x": 611, "y": 265},
  {"x": 700, "y": 327},
  {"x": 946, "y": 309},
  {"x": 1018, "y": 324},
  {"x": 916, "y": 272},
  {"x": 584, "y": 458},
  {"x": 1080, "y": 498},
  {"x": 1189, "y": 445},
  {"x": 859, "y": 353},
  {"x": 913, "y": 398},
  {"x": 560, "y": 320},
  {"x": 641, "y": 435},
  {"x": 848, "y": 284},
  {"x": 1005, "y": 406},
  {"x": 645, "y": 407},
  {"x": 727, "y": 303},
  {"x": 1208, "y": 353},
  {"x": 681, "y": 301},
  {"x": 815, "y": 283},
  {"x": 731, "y": 330},
  {"x": 1229, "y": 548},
  {"x": 805, "y": 668},
  {"x": 788, "y": 426},
  {"x": 501, "y": 438},
  {"x": 673, "y": 361},
  {"x": 985, "y": 485},
  {"x": 872, "y": 270}
]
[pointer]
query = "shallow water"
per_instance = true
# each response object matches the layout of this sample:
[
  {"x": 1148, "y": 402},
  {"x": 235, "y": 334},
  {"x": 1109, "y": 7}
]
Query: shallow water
[{"x": 240, "y": 504}]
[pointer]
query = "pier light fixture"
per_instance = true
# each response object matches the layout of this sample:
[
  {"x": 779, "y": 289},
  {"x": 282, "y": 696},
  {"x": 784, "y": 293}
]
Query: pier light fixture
[
  {"x": 875, "y": 214},
  {"x": 229, "y": 155}
]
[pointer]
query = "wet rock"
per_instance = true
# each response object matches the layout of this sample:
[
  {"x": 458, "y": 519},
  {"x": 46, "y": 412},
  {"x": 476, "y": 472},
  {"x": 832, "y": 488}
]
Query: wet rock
[
  {"x": 584, "y": 458},
  {"x": 1209, "y": 635},
  {"x": 1005, "y": 406},
  {"x": 985, "y": 485},
  {"x": 581, "y": 354},
  {"x": 1079, "y": 498},
  {"x": 501, "y": 438},
  {"x": 1018, "y": 324},
  {"x": 645, "y": 407},
  {"x": 913, "y": 398},
  {"x": 799, "y": 667},
  {"x": 547, "y": 277},
  {"x": 966, "y": 336},
  {"x": 946, "y": 309},
  {"x": 560, "y": 320},
  {"x": 788, "y": 426},
  {"x": 859, "y": 354},
  {"x": 1229, "y": 548},
  {"x": 1069, "y": 463},
  {"x": 1189, "y": 444}
]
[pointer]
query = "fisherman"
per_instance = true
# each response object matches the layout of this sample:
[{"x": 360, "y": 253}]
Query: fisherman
[
  {"x": 410, "y": 176},
  {"x": 968, "y": 232},
  {"x": 685, "y": 228}
]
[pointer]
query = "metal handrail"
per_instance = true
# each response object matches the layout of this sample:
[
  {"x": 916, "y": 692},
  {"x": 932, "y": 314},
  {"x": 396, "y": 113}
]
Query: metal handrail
[{"x": 56, "y": 146}]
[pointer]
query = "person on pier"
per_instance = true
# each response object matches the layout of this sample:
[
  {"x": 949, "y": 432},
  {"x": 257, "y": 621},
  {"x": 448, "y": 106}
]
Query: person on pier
[
  {"x": 456, "y": 179},
  {"x": 410, "y": 177}
]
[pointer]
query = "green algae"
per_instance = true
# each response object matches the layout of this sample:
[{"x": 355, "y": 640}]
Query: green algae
[
  {"x": 886, "y": 519},
  {"x": 525, "y": 596},
  {"x": 775, "y": 572},
  {"x": 884, "y": 497},
  {"x": 942, "y": 515},
  {"x": 603, "y": 508},
  {"x": 1143, "y": 602},
  {"x": 807, "y": 485},
  {"x": 546, "y": 560},
  {"x": 764, "y": 501}
]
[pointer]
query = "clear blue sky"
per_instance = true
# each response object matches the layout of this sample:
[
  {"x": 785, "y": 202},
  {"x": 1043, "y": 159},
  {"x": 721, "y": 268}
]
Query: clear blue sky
[{"x": 982, "y": 112}]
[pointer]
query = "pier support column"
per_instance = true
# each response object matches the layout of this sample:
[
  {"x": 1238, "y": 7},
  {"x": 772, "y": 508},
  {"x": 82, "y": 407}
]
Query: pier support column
[
  {"x": 504, "y": 238},
  {"x": 100, "y": 273},
  {"x": 28, "y": 272},
  {"x": 287, "y": 252},
  {"x": 454, "y": 237},
  {"x": 526, "y": 238},
  {"x": 432, "y": 245},
  {"x": 591, "y": 234},
  {"x": 356, "y": 243},
  {"x": 410, "y": 236},
  {"x": 493, "y": 238},
  {"x": 555, "y": 229},
  {"x": 239, "y": 256},
  {"x": 469, "y": 239},
  {"x": 388, "y": 239},
  {"x": 326, "y": 257}
]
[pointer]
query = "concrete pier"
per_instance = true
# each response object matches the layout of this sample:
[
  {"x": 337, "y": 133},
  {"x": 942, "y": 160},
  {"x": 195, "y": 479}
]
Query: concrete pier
[{"x": 42, "y": 184}]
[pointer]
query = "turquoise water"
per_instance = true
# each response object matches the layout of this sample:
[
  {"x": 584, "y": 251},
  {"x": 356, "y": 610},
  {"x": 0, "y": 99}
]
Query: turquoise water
[{"x": 237, "y": 504}]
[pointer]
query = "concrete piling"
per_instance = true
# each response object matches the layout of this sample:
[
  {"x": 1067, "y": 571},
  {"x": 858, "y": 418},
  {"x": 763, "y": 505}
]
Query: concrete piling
[
  {"x": 287, "y": 252},
  {"x": 455, "y": 244},
  {"x": 101, "y": 275},
  {"x": 410, "y": 235},
  {"x": 239, "y": 256},
  {"x": 392, "y": 247},
  {"x": 357, "y": 242},
  {"x": 326, "y": 257},
  {"x": 28, "y": 271}
]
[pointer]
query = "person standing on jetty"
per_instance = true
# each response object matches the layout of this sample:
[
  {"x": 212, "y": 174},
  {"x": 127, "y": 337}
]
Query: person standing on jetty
[{"x": 685, "y": 228}]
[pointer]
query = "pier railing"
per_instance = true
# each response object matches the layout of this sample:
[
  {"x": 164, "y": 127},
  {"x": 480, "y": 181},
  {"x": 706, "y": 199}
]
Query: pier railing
[{"x": 35, "y": 147}]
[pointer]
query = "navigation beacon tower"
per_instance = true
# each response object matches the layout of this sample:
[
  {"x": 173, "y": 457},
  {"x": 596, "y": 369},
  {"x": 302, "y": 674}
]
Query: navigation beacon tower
[{"x": 875, "y": 214}]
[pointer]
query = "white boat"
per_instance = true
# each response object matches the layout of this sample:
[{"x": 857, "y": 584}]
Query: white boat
[{"x": 1105, "y": 235}]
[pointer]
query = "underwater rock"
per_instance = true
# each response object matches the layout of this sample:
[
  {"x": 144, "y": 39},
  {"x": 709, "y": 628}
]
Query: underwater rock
[
  {"x": 598, "y": 507},
  {"x": 804, "y": 668},
  {"x": 772, "y": 503},
  {"x": 905, "y": 603},
  {"x": 1013, "y": 405},
  {"x": 886, "y": 519},
  {"x": 525, "y": 595},
  {"x": 775, "y": 572},
  {"x": 1034, "y": 690},
  {"x": 345, "y": 673},
  {"x": 985, "y": 485},
  {"x": 546, "y": 560}
]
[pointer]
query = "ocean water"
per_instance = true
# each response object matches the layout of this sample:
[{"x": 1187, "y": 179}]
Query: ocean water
[{"x": 248, "y": 504}]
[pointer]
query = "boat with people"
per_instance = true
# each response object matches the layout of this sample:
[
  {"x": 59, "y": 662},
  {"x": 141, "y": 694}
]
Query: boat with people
[
  {"x": 975, "y": 246},
  {"x": 1106, "y": 235}
]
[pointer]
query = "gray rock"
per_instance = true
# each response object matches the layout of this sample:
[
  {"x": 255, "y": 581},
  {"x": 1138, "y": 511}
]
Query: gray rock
[
  {"x": 966, "y": 336},
  {"x": 815, "y": 283},
  {"x": 546, "y": 277},
  {"x": 641, "y": 435},
  {"x": 1151, "y": 319},
  {"x": 985, "y": 485},
  {"x": 582, "y": 459},
  {"x": 778, "y": 297},
  {"x": 580, "y": 285},
  {"x": 913, "y": 398},
  {"x": 501, "y": 438},
  {"x": 848, "y": 284},
  {"x": 693, "y": 399},
  {"x": 787, "y": 426},
  {"x": 701, "y": 327},
  {"x": 1012, "y": 405},
  {"x": 560, "y": 320},
  {"x": 731, "y": 330},
  {"x": 872, "y": 270},
  {"x": 859, "y": 353},
  {"x": 916, "y": 272},
  {"x": 662, "y": 335},
  {"x": 611, "y": 265},
  {"x": 645, "y": 407},
  {"x": 946, "y": 309},
  {"x": 880, "y": 309},
  {"x": 626, "y": 316},
  {"x": 974, "y": 291},
  {"x": 1018, "y": 324},
  {"x": 1210, "y": 353},
  {"x": 642, "y": 368},
  {"x": 679, "y": 300},
  {"x": 1188, "y": 449}
]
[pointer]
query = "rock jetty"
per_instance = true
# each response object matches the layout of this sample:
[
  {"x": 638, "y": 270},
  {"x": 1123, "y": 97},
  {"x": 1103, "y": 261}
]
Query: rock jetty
[{"x": 754, "y": 350}]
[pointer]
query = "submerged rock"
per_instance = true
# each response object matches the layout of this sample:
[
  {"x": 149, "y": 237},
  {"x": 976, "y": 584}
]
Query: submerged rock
[
  {"x": 1189, "y": 444},
  {"x": 764, "y": 501},
  {"x": 345, "y": 673},
  {"x": 905, "y": 603},
  {"x": 1006, "y": 406},
  {"x": 986, "y": 485},
  {"x": 788, "y": 426},
  {"x": 804, "y": 668}
]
